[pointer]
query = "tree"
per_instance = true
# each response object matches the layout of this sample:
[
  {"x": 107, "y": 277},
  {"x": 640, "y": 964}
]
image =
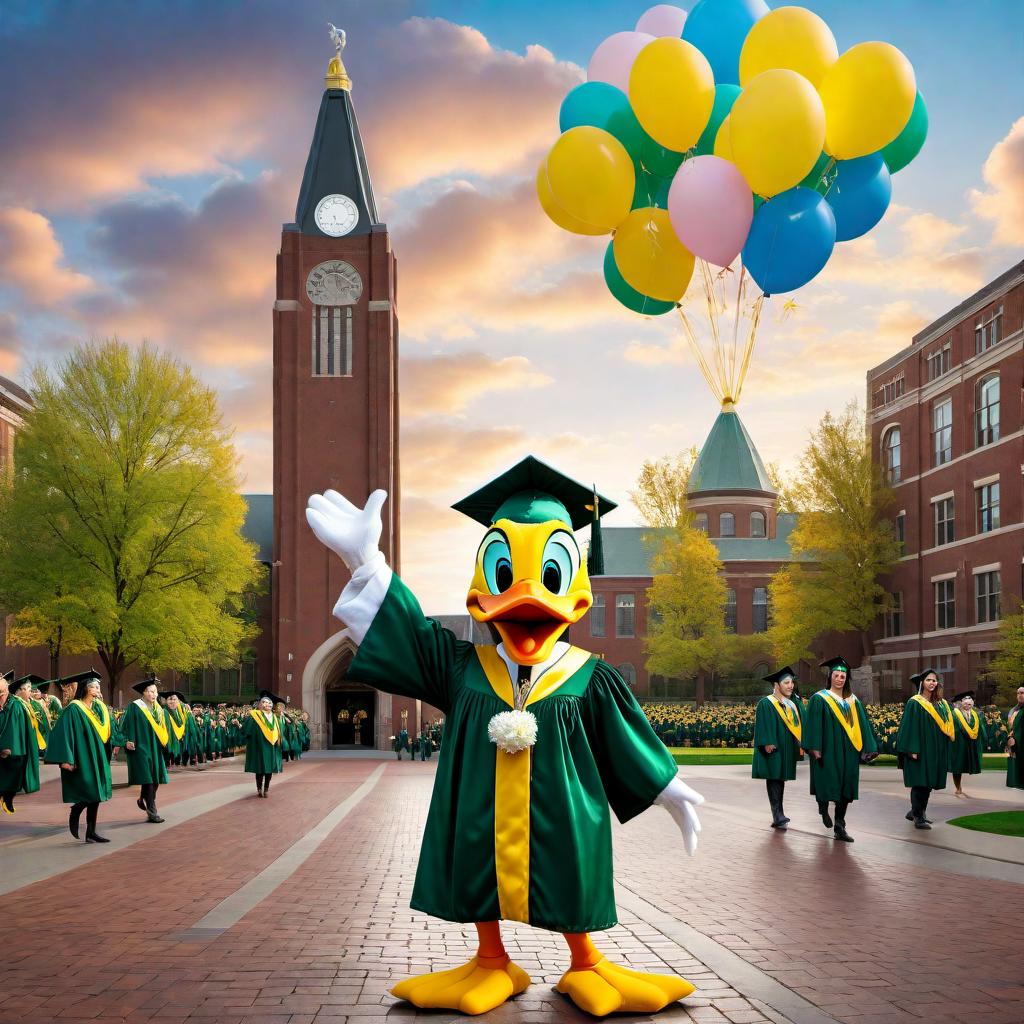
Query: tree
[
  {"x": 788, "y": 500},
  {"x": 125, "y": 495},
  {"x": 1005, "y": 667},
  {"x": 660, "y": 494},
  {"x": 50, "y": 626},
  {"x": 842, "y": 545},
  {"x": 686, "y": 634}
]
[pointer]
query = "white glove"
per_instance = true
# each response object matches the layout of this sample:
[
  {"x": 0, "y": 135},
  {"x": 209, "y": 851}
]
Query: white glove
[
  {"x": 680, "y": 800},
  {"x": 351, "y": 533}
]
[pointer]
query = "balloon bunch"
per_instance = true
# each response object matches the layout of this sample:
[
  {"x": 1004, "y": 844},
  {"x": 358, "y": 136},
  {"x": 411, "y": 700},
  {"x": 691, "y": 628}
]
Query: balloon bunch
[{"x": 732, "y": 131}]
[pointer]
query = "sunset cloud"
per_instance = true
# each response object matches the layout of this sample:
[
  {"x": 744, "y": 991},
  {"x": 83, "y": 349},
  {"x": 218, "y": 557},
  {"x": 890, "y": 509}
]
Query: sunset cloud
[
  {"x": 447, "y": 384},
  {"x": 1002, "y": 202},
  {"x": 32, "y": 259}
]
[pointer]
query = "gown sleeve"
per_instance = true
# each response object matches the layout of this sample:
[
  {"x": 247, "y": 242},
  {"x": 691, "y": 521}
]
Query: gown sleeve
[
  {"x": 869, "y": 744},
  {"x": 908, "y": 737},
  {"x": 811, "y": 730},
  {"x": 634, "y": 764}
]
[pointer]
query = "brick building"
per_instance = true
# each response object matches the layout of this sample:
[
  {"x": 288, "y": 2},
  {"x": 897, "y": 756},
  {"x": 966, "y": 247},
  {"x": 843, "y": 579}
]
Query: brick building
[{"x": 946, "y": 425}]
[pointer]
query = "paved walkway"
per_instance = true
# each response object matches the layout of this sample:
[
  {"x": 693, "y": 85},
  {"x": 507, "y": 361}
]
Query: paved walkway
[{"x": 295, "y": 909}]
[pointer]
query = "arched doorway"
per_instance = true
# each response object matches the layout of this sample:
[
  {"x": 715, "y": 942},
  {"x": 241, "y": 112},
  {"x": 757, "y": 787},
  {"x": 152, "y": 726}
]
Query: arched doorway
[{"x": 351, "y": 713}]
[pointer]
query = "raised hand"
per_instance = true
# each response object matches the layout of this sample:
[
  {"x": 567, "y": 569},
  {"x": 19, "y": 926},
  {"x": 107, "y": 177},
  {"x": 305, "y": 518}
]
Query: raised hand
[{"x": 350, "y": 532}]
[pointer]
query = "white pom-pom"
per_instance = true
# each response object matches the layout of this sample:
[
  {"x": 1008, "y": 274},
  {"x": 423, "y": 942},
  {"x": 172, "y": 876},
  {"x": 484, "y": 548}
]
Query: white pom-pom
[{"x": 513, "y": 731}]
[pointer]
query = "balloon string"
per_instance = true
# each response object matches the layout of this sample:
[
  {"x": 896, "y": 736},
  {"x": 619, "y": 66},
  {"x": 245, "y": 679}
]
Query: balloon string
[{"x": 702, "y": 362}]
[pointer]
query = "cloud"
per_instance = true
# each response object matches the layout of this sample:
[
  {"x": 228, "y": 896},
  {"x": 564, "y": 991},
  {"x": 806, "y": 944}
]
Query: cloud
[
  {"x": 32, "y": 259},
  {"x": 9, "y": 345},
  {"x": 1003, "y": 201},
  {"x": 447, "y": 384}
]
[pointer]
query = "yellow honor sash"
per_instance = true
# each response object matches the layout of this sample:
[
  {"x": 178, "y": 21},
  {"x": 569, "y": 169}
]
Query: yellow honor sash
[
  {"x": 512, "y": 782},
  {"x": 945, "y": 725},
  {"x": 101, "y": 722},
  {"x": 159, "y": 727},
  {"x": 178, "y": 730},
  {"x": 852, "y": 729},
  {"x": 971, "y": 731},
  {"x": 784, "y": 713},
  {"x": 270, "y": 733},
  {"x": 35, "y": 724}
]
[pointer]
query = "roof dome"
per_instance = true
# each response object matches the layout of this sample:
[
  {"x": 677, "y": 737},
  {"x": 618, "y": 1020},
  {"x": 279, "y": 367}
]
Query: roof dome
[{"x": 729, "y": 461}]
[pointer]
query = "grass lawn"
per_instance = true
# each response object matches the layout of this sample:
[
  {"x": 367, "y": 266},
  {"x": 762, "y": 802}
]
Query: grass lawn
[
  {"x": 989, "y": 762},
  {"x": 1000, "y": 823}
]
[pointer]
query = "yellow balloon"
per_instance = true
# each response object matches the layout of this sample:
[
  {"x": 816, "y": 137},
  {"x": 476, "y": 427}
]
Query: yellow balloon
[
  {"x": 723, "y": 140},
  {"x": 869, "y": 95},
  {"x": 777, "y": 130},
  {"x": 556, "y": 213},
  {"x": 789, "y": 37},
  {"x": 672, "y": 91},
  {"x": 650, "y": 256},
  {"x": 590, "y": 178}
]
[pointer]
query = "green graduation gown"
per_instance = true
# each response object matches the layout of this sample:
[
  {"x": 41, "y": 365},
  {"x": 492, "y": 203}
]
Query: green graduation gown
[
  {"x": 771, "y": 731},
  {"x": 19, "y": 771},
  {"x": 965, "y": 758},
  {"x": 261, "y": 756},
  {"x": 1015, "y": 764},
  {"x": 836, "y": 777},
  {"x": 145, "y": 762},
  {"x": 175, "y": 718},
  {"x": 75, "y": 739},
  {"x": 526, "y": 838},
  {"x": 919, "y": 734},
  {"x": 42, "y": 719}
]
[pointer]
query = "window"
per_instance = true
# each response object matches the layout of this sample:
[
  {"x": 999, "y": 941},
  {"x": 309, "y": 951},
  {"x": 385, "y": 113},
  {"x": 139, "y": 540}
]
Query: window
[
  {"x": 945, "y": 524},
  {"x": 945, "y": 604},
  {"x": 938, "y": 362},
  {"x": 988, "y": 507},
  {"x": 942, "y": 431},
  {"x": 986, "y": 593},
  {"x": 628, "y": 673},
  {"x": 597, "y": 616},
  {"x": 989, "y": 331},
  {"x": 726, "y": 525},
  {"x": 901, "y": 532},
  {"x": 890, "y": 392},
  {"x": 332, "y": 341},
  {"x": 625, "y": 615},
  {"x": 757, "y": 524},
  {"x": 943, "y": 665},
  {"x": 891, "y": 455},
  {"x": 760, "y": 609},
  {"x": 700, "y": 521},
  {"x": 894, "y": 616},
  {"x": 986, "y": 410},
  {"x": 730, "y": 611}
]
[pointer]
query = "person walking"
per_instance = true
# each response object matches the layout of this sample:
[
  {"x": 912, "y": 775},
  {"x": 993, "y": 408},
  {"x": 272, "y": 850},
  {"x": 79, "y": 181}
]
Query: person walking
[
  {"x": 923, "y": 744},
  {"x": 777, "y": 738},
  {"x": 145, "y": 732}
]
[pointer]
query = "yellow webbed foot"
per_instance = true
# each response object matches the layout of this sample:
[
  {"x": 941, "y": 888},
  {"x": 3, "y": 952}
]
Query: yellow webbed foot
[
  {"x": 472, "y": 988},
  {"x": 607, "y": 988}
]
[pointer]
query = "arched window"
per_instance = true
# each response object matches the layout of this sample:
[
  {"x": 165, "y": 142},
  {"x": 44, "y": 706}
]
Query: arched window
[
  {"x": 700, "y": 521},
  {"x": 628, "y": 673},
  {"x": 726, "y": 525},
  {"x": 891, "y": 455},
  {"x": 986, "y": 410},
  {"x": 757, "y": 524}
]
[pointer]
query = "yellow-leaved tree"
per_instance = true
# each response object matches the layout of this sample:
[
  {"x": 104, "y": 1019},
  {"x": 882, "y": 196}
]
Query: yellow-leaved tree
[
  {"x": 660, "y": 493},
  {"x": 125, "y": 496},
  {"x": 1007, "y": 667}
]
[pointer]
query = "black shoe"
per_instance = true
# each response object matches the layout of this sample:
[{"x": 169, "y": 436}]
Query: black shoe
[
  {"x": 153, "y": 817},
  {"x": 95, "y": 837},
  {"x": 910, "y": 817},
  {"x": 841, "y": 834},
  {"x": 922, "y": 823},
  {"x": 780, "y": 825},
  {"x": 826, "y": 817},
  {"x": 141, "y": 804},
  {"x": 74, "y": 817},
  {"x": 784, "y": 820}
]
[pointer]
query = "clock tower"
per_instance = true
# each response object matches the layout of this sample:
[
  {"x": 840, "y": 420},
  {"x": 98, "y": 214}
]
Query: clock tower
[{"x": 335, "y": 417}]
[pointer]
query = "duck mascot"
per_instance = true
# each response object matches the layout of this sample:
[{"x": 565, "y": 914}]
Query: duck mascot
[{"x": 540, "y": 738}]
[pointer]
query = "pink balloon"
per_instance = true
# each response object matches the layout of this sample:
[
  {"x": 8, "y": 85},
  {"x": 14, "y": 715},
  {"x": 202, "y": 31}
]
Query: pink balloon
[
  {"x": 662, "y": 20},
  {"x": 711, "y": 206},
  {"x": 613, "y": 59}
]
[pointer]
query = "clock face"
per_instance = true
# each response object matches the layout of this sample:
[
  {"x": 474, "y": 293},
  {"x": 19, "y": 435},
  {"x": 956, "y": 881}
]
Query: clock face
[
  {"x": 334, "y": 283},
  {"x": 336, "y": 215}
]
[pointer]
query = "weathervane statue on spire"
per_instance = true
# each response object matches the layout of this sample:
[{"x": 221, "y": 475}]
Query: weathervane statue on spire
[
  {"x": 336, "y": 77},
  {"x": 338, "y": 38}
]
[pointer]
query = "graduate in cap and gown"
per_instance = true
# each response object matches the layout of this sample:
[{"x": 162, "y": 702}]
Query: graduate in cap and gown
[
  {"x": 1015, "y": 743},
  {"x": 19, "y": 748},
  {"x": 540, "y": 737},
  {"x": 38, "y": 699},
  {"x": 839, "y": 738},
  {"x": 80, "y": 742},
  {"x": 970, "y": 739},
  {"x": 263, "y": 740},
  {"x": 51, "y": 703},
  {"x": 39, "y": 727},
  {"x": 923, "y": 744},
  {"x": 777, "y": 738},
  {"x": 145, "y": 731},
  {"x": 176, "y": 712}
]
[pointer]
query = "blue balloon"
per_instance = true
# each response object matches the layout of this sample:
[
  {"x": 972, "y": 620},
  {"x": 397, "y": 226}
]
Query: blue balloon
[
  {"x": 601, "y": 105},
  {"x": 790, "y": 240},
  {"x": 718, "y": 28},
  {"x": 860, "y": 195}
]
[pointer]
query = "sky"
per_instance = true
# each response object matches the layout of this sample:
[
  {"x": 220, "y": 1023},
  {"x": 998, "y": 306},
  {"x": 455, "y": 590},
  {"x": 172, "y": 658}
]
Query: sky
[{"x": 150, "y": 152}]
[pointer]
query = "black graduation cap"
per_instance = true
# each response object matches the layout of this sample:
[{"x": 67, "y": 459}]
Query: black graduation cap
[
  {"x": 918, "y": 679},
  {"x": 173, "y": 693},
  {"x": 534, "y": 492},
  {"x": 777, "y": 677},
  {"x": 15, "y": 685},
  {"x": 8, "y": 675},
  {"x": 835, "y": 663},
  {"x": 33, "y": 679},
  {"x": 962, "y": 696},
  {"x": 143, "y": 683},
  {"x": 44, "y": 687},
  {"x": 273, "y": 697},
  {"x": 81, "y": 680}
]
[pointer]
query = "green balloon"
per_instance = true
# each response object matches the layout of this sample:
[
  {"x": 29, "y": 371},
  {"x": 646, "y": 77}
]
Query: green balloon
[
  {"x": 628, "y": 295},
  {"x": 908, "y": 143},
  {"x": 725, "y": 97},
  {"x": 816, "y": 174},
  {"x": 650, "y": 190},
  {"x": 657, "y": 159}
]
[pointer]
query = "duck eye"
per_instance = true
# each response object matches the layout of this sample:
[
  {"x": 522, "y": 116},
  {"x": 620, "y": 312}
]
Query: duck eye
[
  {"x": 560, "y": 562},
  {"x": 496, "y": 560}
]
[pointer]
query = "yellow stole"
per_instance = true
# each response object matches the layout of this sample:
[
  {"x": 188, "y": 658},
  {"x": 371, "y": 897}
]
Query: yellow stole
[
  {"x": 270, "y": 733},
  {"x": 101, "y": 722},
  {"x": 35, "y": 723},
  {"x": 784, "y": 713},
  {"x": 178, "y": 731},
  {"x": 945, "y": 725},
  {"x": 159, "y": 727},
  {"x": 512, "y": 782},
  {"x": 972, "y": 732},
  {"x": 852, "y": 729}
]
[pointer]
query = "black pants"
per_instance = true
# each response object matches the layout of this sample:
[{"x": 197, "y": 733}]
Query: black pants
[
  {"x": 148, "y": 795},
  {"x": 776, "y": 791},
  {"x": 919, "y": 800},
  {"x": 263, "y": 781},
  {"x": 840, "y": 816}
]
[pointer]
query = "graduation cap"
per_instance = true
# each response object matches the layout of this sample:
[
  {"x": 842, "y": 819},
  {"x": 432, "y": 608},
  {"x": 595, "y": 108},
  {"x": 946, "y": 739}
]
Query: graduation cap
[
  {"x": 273, "y": 697},
  {"x": 80, "y": 681},
  {"x": 918, "y": 679},
  {"x": 173, "y": 693},
  {"x": 44, "y": 687},
  {"x": 18, "y": 684},
  {"x": 836, "y": 665},
  {"x": 964, "y": 695},
  {"x": 8, "y": 675},
  {"x": 534, "y": 492},
  {"x": 141, "y": 685},
  {"x": 782, "y": 674}
]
